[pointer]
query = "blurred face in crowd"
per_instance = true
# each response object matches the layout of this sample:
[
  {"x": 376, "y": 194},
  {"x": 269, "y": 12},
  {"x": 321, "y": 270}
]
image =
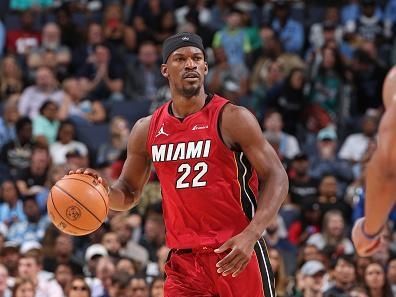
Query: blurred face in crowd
[
  {"x": 63, "y": 245},
  {"x": 328, "y": 58},
  {"x": 275, "y": 72},
  {"x": 45, "y": 79},
  {"x": 391, "y": 273},
  {"x": 297, "y": 80},
  {"x": 11, "y": 114},
  {"x": 27, "y": 20},
  {"x": 26, "y": 132},
  {"x": 273, "y": 122},
  {"x": 335, "y": 225},
  {"x": 361, "y": 264},
  {"x": 125, "y": 265},
  {"x": 374, "y": 276},
  {"x": 10, "y": 68},
  {"x": 154, "y": 228},
  {"x": 111, "y": 242},
  {"x": 10, "y": 259},
  {"x": 51, "y": 111},
  {"x": 95, "y": 34},
  {"x": 311, "y": 252},
  {"x": 102, "y": 55},
  {"x": 79, "y": 288},
  {"x": 139, "y": 288},
  {"x": 368, "y": 9},
  {"x": 63, "y": 275},
  {"x": 39, "y": 161},
  {"x": 74, "y": 89},
  {"x": 51, "y": 36},
  {"x": 104, "y": 270},
  {"x": 130, "y": 38},
  {"x": 157, "y": 288},
  {"x": 28, "y": 268},
  {"x": 66, "y": 133},
  {"x": 3, "y": 278},
  {"x": 9, "y": 192},
  {"x": 234, "y": 20},
  {"x": 313, "y": 283},
  {"x": 148, "y": 54},
  {"x": 274, "y": 259},
  {"x": 328, "y": 186},
  {"x": 32, "y": 211},
  {"x": 369, "y": 126},
  {"x": 26, "y": 289},
  {"x": 344, "y": 273}
]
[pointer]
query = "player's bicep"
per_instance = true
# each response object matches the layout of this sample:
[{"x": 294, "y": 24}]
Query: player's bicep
[{"x": 136, "y": 169}]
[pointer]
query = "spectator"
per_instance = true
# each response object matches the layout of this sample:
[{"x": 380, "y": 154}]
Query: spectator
[
  {"x": 31, "y": 180},
  {"x": 32, "y": 229},
  {"x": 273, "y": 124},
  {"x": 29, "y": 267},
  {"x": 290, "y": 32},
  {"x": 157, "y": 287},
  {"x": 312, "y": 273},
  {"x": 344, "y": 274},
  {"x": 92, "y": 255},
  {"x": 4, "y": 291},
  {"x": 153, "y": 236},
  {"x": 167, "y": 26},
  {"x": 102, "y": 76},
  {"x": 7, "y": 123},
  {"x": 113, "y": 25},
  {"x": 22, "y": 40},
  {"x": 46, "y": 124},
  {"x": 279, "y": 270},
  {"x": 126, "y": 266},
  {"x": 391, "y": 274},
  {"x": 45, "y": 88},
  {"x": 2, "y": 38},
  {"x": 138, "y": 287},
  {"x": 70, "y": 33},
  {"x": 112, "y": 244},
  {"x": 10, "y": 258},
  {"x": 16, "y": 154},
  {"x": 24, "y": 287},
  {"x": 144, "y": 78},
  {"x": 104, "y": 271},
  {"x": 77, "y": 107},
  {"x": 64, "y": 276},
  {"x": 376, "y": 282},
  {"x": 79, "y": 288},
  {"x": 119, "y": 285},
  {"x": 11, "y": 78},
  {"x": 11, "y": 209},
  {"x": 233, "y": 39},
  {"x": 66, "y": 143}
]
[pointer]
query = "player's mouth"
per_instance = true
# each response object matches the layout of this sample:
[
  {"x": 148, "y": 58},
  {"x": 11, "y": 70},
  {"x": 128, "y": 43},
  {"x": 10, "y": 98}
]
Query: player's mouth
[{"x": 191, "y": 76}]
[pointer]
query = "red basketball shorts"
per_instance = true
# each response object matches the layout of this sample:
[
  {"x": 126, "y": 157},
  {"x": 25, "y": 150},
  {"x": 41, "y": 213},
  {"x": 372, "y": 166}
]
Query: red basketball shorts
[{"x": 193, "y": 273}]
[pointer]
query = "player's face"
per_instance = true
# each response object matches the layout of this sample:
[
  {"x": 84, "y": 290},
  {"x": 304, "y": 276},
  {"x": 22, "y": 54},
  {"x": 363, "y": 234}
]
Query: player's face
[{"x": 185, "y": 70}]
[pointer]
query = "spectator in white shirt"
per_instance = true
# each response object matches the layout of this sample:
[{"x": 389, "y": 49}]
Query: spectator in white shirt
[
  {"x": 287, "y": 144},
  {"x": 4, "y": 291},
  {"x": 355, "y": 145},
  {"x": 46, "y": 88}
]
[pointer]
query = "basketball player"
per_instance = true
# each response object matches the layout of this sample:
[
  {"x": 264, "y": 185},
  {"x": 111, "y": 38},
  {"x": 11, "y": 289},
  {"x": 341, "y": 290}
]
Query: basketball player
[
  {"x": 208, "y": 155},
  {"x": 380, "y": 185}
]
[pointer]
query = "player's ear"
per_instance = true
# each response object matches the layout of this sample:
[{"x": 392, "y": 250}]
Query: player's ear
[
  {"x": 164, "y": 70},
  {"x": 206, "y": 68}
]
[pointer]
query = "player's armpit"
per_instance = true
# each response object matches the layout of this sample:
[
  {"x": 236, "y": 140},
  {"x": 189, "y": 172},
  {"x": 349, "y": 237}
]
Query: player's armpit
[{"x": 126, "y": 191}]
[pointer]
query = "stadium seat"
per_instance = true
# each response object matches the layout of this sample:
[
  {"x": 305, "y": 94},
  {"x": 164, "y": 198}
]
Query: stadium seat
[{"x": 131, "y": 110}]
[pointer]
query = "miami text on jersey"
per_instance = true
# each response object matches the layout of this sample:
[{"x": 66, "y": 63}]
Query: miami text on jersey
[{"x": 180, "y": 151}]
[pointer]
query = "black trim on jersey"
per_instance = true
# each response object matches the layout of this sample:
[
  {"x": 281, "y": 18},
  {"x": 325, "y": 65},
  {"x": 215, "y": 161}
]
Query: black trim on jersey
[
  {"x": 208, "y": 98},
  {"x": 267, "y": 274},
  {"x": 248, "y": 199}
]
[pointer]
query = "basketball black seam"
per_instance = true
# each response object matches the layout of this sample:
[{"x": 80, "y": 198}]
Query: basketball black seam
[
  {"x": 53, "y": 203},
  {"x": 104, "y": 200},
  {"x": 79, "y": 203}
]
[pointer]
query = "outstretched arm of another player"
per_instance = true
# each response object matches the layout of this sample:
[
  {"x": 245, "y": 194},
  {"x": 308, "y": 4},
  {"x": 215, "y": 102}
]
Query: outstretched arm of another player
[
  {"x": 126, "y": 191},
  {"x": 247, "y": 136},
  {"x": 380, "y": 187}
]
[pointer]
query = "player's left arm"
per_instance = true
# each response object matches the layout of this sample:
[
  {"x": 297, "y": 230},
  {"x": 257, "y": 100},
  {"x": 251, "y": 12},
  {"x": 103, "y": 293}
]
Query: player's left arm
[{"x": 246, "y": 136}]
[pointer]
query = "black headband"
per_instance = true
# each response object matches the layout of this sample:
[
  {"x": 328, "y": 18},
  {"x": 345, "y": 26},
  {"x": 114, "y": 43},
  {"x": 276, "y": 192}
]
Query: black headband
[{"x": 180, "y": 40}]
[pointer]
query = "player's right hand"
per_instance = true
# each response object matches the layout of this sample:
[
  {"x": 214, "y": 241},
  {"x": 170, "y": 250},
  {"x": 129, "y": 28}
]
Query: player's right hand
[
  {"x": 364, "y": 245},
  {"x": 93, "y": 173}
]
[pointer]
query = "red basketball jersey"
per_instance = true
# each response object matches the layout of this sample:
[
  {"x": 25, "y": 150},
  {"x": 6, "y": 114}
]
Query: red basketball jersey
[{"x": 209, "y": 192}]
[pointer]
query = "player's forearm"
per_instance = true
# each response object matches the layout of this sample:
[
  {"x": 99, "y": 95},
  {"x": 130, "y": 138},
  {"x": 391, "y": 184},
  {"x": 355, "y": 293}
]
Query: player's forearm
[
  {"x": 275, "y": 188},
  {"x": 122, "y": 197}
]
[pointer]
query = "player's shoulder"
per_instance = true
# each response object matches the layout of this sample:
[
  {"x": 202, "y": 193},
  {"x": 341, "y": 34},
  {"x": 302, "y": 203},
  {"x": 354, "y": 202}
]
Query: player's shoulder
[
  {"x": 142, "y": 126},
  {"x": 234, "y": 113}
]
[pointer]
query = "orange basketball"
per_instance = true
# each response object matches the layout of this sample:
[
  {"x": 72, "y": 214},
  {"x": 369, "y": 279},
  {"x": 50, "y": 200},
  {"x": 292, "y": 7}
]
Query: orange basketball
[
  {"x": 389, "y": 87},
  {"x": 78, "y": 204}
]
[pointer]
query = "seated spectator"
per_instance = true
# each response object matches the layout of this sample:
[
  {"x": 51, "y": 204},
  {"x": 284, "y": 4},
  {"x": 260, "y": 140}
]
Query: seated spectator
[
  {"x": 76, "y": 106},
  {"x": 22, "y": 40},
  {"x": 279, "y": 270},
  {"x": 51, "y": 43},
  {"x": 4, "y": 290},
  {"x": 16, "y": 154},
  {"x": 333, "y": 239},
  {"x": 126, "y": 266},
  {"x": 225, "y": 79},
  {"x": 144, "y": 78},
  {"x": 46, "y": 124},
  {"x": 45, "y": 88},
  {"x": 31, "y": 181},
  {"x": 7, "y": 122},
  {"x": 64, "y": 276},
  {"x": 273, "y": 124},
  {"x": 312, "y": 273},
  {"x": 344, "y": 276},
  {"x": 33, "y": 228},
  {"x": 113, "y": 24},
  {"x": 24, "y": 287},
  {"x": 78, "y": 288},
  {"x": 11, "y": 77},
  {"x": 157, "y": 287},
  {"x": 138, "y": 286},
  {"x": 391, "y": 274},
  {"x": 11, "y": 209},
  {"x": 104, "y": 271},
  {"x": 375, "y": 280},
  {"x": 112, "y": 244},
  {"x": 120, "y": 285},
  {"x": 119, "y": 133},
  {"x": 9, "y": 258},
  {"x": 154, "y": 234},
  {"x": 66, "y": 143},
  {"x": 101, "y": 76}
]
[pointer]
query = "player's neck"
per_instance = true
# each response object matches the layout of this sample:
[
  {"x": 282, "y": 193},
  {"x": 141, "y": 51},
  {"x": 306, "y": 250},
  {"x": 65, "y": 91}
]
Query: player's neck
[{"x": 182, "y": 106}]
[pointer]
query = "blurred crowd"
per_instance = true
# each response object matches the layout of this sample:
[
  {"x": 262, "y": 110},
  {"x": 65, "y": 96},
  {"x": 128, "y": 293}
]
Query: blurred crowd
[{"x": 76, "y": 75}]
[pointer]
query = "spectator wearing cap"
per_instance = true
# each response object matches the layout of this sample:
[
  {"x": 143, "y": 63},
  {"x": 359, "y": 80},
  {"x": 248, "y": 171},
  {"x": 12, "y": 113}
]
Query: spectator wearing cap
[
  {"x": 344, "y": 277},
  {"x": 29, "y": 266},
  {"x": 11, "y": 209},
  {"x": 9, "y": 257},
  {"x": 66, "y": 142},
  {"x": 4, "y": 290},
  {"x": 312, "y": 273},
  {"x": 303, "y": 188},
  {"x": 31, "y": 229},
  {"x": 105, "y": 269},
  {"x": 290, "y": 32},
  {"x": 326, "y": 161},
  {"x": 92, "y": 255}
]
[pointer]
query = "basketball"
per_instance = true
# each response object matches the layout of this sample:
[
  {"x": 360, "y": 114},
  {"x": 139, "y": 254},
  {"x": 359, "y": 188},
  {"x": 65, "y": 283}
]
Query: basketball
[
  {"x": 389, "y": 87},
  {"x": 78, "y": 204}
]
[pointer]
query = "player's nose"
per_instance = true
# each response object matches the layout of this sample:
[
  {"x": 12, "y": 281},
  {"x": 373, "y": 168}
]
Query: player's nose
[{"x": 190, "y": 64}]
